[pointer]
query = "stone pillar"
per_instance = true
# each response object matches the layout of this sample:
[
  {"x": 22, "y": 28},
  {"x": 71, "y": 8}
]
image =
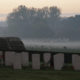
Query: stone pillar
[
  {"x": 46, "y": 57},
  {"x": 76, "y": 61},
  {"x": 35, "y": 61},
  {"x": 25, "y": 58},
  {"x": 9, "y": 58},
  {"x": 17, "y": 61},
  {"x": 58, "y": 61}
]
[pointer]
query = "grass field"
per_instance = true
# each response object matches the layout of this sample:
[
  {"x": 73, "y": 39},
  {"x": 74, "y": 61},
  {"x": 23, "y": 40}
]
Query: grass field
[{"x": 29, "y": 74}]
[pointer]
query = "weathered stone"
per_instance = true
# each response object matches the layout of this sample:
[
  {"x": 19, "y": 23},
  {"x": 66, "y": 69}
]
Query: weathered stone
[
  {"x": 35, "y": 61},
  {"x": 9, "y": 58},
  {"x": 47, "y": 57},
  {"x": 25, "y": 58},
  {"x": 76, "y": 61},
  {"x": 58, "y": 61},
  {"x": 17, "y": 61}
]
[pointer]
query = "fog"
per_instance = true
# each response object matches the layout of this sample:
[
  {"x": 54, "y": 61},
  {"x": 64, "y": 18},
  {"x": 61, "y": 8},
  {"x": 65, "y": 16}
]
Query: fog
[
  {"x": 52, "y": 44},
  {"x": 42, "y": 24}
]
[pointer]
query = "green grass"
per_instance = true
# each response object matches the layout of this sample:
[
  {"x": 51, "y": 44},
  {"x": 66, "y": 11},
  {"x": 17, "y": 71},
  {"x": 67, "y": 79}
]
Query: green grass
[{"x": 29, "y": 74}]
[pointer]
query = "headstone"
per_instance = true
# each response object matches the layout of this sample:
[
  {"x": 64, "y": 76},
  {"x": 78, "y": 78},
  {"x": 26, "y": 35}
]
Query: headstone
[
  {"x": 76, "y": 61},
  {"x": 17, "y": 61},
  {"x": 35, "y": 61},
  {"x": 58, "y": 61},
  {"x": 9, "y": 58},
  {"x": 47, "y": 57},
  {"x": 25, "y": 58}
]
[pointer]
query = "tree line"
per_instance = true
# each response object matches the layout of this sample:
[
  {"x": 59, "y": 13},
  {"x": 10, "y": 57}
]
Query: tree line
[{"x": 42, "y": 23}]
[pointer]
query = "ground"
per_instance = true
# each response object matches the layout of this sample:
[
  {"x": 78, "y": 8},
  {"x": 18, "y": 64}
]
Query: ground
[{"x": 29, "y": 74}]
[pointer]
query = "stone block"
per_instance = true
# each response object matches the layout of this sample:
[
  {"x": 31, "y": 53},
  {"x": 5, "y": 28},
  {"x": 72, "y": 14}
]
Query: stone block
[
  {"x": 76, "y": 61},
  {"x": 25, "y": 58},
  {"x": 46, "y": 58},
  {"x": 9, "y": 58},
  {"x": 58, "y": 61},
  {"x": 35, "y": 61},
  {"x": 17, "y": 61}
]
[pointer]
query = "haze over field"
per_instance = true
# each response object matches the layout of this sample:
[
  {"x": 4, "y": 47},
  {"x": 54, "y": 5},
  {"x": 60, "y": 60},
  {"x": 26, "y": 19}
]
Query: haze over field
[{"x": 40, "y": 19}]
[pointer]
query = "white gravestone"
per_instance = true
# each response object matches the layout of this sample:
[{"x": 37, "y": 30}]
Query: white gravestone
[
  {"x": 76, "y": 61},
  {"x": 9, "y": 58},
  {"x": 25, "y": 58},
  {"x": 17, "y": 61},
  {"x": 35, "y": 61},
  {"x": 58, "y": 61},
  {"x": 46, "y": 58}
]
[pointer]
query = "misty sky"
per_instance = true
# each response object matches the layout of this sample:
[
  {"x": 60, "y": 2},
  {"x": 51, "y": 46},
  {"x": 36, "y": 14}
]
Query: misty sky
[{"x": 67, "y": 7}]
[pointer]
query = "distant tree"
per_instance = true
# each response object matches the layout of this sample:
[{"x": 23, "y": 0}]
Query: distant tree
[
  {"x": 68, "y": 28},
  {"x": 24, "y": 22},
  {"x": 42, "y": 29}
]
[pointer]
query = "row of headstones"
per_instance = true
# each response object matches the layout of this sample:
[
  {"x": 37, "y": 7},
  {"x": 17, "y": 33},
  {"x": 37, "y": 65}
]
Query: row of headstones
[{"x": 17, "y": 60}]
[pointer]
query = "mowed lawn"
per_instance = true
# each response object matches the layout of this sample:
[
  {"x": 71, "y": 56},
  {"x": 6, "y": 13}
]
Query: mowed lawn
[{"x": 29, "y": 74}]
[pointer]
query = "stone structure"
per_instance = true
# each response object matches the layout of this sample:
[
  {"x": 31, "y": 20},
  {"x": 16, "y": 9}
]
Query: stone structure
[
  {"x": 25, "y": 58},
  {"x": 35, "y": 61},
  {"x": 76, "y": 61},
  {"x": 17, "y": 61},
  {"x": 46, "y": 58},
  {"x": 58, "y": 61},
  {"x": 9, "y": 58}
]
